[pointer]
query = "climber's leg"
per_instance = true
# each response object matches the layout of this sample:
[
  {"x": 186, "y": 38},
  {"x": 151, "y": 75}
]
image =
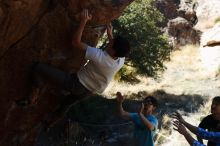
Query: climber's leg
[
  {"x": 46, "y": 73},
  {"x": 41, "y": 74}
]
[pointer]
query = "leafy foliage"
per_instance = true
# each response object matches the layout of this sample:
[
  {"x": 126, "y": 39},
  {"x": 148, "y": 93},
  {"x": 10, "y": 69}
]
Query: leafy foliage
[
  {"x": 149, "y": 47},
  {"x": 127, "y": 74}
]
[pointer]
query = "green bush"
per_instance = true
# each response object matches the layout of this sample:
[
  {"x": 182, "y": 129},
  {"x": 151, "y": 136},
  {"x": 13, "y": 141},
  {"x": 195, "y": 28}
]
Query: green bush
[
  {"x": 149, "y": 47},
  {"x": 127, "y": 74}
]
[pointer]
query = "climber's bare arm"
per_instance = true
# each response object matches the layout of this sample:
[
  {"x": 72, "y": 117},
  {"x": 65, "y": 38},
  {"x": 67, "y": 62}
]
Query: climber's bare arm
[
  {"x": 77, "y": 36},
  {"x": 109, "y": 32}
]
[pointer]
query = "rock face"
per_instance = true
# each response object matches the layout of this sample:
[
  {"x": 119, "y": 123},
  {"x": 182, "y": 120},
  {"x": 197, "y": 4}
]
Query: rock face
[
  {"x": 41, "y": 30},
  {"x": 183, "y": 31},
  {"x": 168, "y": 8},
  {"x": 180, "y": 17}
]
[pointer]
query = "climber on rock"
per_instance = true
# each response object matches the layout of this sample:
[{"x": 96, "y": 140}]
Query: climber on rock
[{"x": 93, "y": 77}]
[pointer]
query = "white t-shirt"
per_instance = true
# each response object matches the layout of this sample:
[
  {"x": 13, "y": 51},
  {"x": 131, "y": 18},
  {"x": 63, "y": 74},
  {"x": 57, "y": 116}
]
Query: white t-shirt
[{"x": 99, "y": 71}]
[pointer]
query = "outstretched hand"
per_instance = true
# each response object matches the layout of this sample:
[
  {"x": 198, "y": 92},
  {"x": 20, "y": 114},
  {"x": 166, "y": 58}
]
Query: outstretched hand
[
  {"x": 119, "y": 97},
  {"x": 179, "y": 127},
  {"x": 178, "y": 117},
  {"x": 85, "y": 16},
  {"x": 141, "y": 108}
]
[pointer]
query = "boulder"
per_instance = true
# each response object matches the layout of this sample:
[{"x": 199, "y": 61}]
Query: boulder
[
  {"x": 180, "y": 17},
  {"x": 187, "y": 10},
  {"x": 41, "y": 30},
  {"x": 182, "y": 32},
  {"x": 169, "y": 8}
]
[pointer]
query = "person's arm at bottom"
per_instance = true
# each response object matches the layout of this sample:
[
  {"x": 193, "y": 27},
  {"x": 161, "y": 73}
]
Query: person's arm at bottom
[
  {"x": 203, "y": 126},
  {"x": 191, "y": 140},
  {"x": 198, "y": 131},
  {"x": 192, "y": 128},
  {"x": 182, "y": 130},
  {"x": 213, "y": 136},
  {"x": 200, "y": 139},
  {"x": 197, "y": 143}
]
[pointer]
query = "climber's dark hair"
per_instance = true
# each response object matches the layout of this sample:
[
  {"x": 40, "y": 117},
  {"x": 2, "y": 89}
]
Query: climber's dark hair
[{"x": 121, "y": 46}]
